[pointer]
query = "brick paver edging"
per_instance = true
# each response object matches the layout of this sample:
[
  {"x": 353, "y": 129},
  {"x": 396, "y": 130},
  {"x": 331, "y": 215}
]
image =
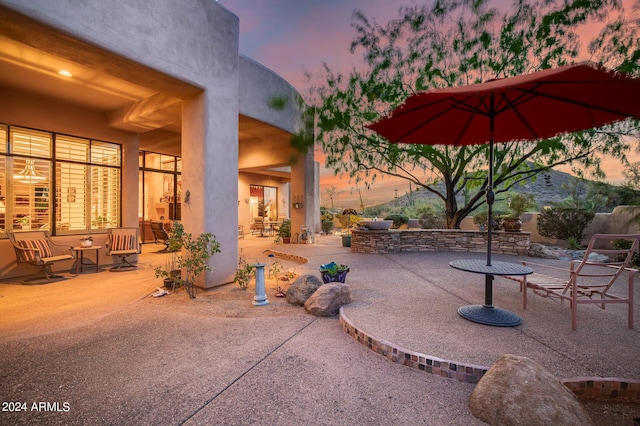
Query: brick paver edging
[
  {"x": 468, "y": 373},
  {"x": 596, "y": 388}
]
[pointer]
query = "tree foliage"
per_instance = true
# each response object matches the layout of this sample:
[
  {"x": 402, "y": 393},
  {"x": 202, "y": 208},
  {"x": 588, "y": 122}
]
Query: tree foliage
[{"x": 460, "y": 42}]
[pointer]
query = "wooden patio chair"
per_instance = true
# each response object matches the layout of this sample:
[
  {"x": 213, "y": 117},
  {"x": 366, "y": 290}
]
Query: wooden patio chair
[
  {"x": 123, "y": 242},
  {"x": 38, "y": 249},
  {"x": 587, "y": 281}
]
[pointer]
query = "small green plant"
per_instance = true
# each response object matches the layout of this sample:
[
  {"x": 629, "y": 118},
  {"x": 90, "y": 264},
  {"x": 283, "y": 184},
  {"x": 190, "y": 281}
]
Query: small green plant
[
  {"x": 243, "y": 276},
  {"x": 573, "y": 244},
  {"x": 622, "y": 244},
  {"x": 518, "y": 204},
  {"x": 100, "y": 221},
  {"x": 190, "y": 254},
  {"x": 275, "y": 269},
  {"x": 24, "y": 221},
  {"x": 285, "y": 229}
]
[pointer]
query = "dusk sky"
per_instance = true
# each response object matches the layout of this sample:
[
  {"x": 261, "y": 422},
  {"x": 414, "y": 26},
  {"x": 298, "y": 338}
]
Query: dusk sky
[{"x": 292, "y": 37}]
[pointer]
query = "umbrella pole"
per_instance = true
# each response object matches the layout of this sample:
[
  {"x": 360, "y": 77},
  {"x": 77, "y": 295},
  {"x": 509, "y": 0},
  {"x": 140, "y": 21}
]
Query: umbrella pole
[
  {"x": 490, "y": 198},
  {"x": 488, "y": 279}
]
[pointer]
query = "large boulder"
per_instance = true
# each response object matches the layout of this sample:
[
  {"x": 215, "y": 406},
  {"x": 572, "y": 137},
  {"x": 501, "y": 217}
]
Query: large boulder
[
  {"x": 328, "y": 299},
  {"x": 302, "y": 288},
  {"x": 519, "y": 391}
]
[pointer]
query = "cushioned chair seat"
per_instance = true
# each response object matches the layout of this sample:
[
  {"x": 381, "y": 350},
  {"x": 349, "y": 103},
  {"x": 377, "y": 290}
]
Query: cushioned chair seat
[
  {"x": 38, "y": 249},
  {"x": 123, "y": 242}
]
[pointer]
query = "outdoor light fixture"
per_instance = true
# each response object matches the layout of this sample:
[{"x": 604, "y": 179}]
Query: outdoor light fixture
[
  {"x": 298, "y": 201},
  {"x": 29, "y": 174},
  {"x": 65, "y": 73}
]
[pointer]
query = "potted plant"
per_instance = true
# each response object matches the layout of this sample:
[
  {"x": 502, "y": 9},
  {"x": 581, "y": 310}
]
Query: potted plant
[
  {"x": 333, "y": 272},
  {"x": 347, "y": 220},
  {"x": 24, "y": 222},
  {"x": 518, "y": 204},
  {"x": 285, "y": 231},
  {"x": 171, "y": 272},
  {"x": 100, "y": 222},
  {"x": 86, "y": 241}
]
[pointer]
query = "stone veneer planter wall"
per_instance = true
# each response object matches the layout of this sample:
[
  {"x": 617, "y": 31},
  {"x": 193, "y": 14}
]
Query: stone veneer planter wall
[{"x": 398, "y": 240}]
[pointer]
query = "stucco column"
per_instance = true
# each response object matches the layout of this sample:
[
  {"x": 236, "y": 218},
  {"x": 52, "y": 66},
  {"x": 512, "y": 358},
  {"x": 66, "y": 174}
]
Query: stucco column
[
  {"x": 303, "y": 184},
  {"x": 210, "y": 176}
]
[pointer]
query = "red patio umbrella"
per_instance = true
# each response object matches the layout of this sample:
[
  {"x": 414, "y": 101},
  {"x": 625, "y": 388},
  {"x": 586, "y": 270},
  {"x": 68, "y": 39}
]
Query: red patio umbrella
[{"x": 527, "y": 107}]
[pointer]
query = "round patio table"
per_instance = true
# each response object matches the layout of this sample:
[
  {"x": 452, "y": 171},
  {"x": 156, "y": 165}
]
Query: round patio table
[{"x": 488, "y": 314}]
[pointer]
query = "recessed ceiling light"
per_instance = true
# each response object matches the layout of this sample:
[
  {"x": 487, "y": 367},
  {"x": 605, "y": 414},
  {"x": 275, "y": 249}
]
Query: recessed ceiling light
[{"x": 65, "y": 73}]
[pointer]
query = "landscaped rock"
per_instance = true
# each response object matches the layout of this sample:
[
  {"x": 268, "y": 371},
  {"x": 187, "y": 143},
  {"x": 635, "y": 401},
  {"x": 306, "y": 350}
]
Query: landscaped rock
[
  {"x": 543, "y": 252},
  {"x": 302, "y": 288},
  {"x": 328, "y": 299},
  {"x": 519, "y": 391}
]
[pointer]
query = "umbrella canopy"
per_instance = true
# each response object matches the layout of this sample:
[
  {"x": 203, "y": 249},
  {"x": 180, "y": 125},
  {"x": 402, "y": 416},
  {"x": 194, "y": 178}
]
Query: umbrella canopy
[{"x": 527, "y": 107}]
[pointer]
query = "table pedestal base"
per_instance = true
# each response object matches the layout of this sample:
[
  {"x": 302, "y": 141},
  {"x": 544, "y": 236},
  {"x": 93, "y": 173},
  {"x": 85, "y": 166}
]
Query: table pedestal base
[{"x": 489, "y": 315}]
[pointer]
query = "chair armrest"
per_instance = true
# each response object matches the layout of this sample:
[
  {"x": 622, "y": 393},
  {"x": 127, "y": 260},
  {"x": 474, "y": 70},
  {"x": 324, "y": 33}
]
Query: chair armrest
[{"x": 53, "y": 245}]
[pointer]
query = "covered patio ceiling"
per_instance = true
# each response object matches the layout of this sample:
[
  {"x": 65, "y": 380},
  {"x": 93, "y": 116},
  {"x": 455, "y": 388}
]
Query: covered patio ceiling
[{"x": 134, "y": 98}]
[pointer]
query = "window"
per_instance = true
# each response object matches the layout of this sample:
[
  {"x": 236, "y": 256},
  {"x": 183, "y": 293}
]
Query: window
[
  {"x": 159, "y": 188},
  {"x": 85, "y": 175}
]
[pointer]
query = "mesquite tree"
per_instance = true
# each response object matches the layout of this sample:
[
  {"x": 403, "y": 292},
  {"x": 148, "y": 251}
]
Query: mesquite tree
[{"x": 460, "y": 42}]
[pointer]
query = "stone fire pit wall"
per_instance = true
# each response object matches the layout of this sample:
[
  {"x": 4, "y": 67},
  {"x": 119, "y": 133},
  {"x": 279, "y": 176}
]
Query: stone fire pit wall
[{"x": 398, "y": 240}]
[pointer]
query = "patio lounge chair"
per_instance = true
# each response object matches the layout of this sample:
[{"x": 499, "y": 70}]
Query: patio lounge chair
[
  {"x": 36, "y": 248},
  {"x": 123, "y": 242},
  {"x": 588, "y": 282},
  {"x": 160, "y": 235}
]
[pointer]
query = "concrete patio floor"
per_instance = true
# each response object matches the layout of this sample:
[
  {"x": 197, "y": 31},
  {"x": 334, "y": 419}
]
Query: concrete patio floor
[{"x": 115, "y": 355}]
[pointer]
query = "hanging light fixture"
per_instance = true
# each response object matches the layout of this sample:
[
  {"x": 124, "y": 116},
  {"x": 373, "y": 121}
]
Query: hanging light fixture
[{"x": 29, "y": 174}]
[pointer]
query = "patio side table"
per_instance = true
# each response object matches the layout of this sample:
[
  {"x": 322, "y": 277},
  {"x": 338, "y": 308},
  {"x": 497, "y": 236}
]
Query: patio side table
[
  {"x": 80, "y": 261},
  {"x": 488, "y": 314}
]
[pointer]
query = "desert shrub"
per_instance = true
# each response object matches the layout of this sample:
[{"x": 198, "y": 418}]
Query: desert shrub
[
  {"x": 373, "y": 211},
  {"x": 398, "y": 220},
  {"x": 480, "y": 218},
  {"x": 430, "y": 220},
  {"x": 564, "y": 223},
  {"x": 327, "y": 225}
]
